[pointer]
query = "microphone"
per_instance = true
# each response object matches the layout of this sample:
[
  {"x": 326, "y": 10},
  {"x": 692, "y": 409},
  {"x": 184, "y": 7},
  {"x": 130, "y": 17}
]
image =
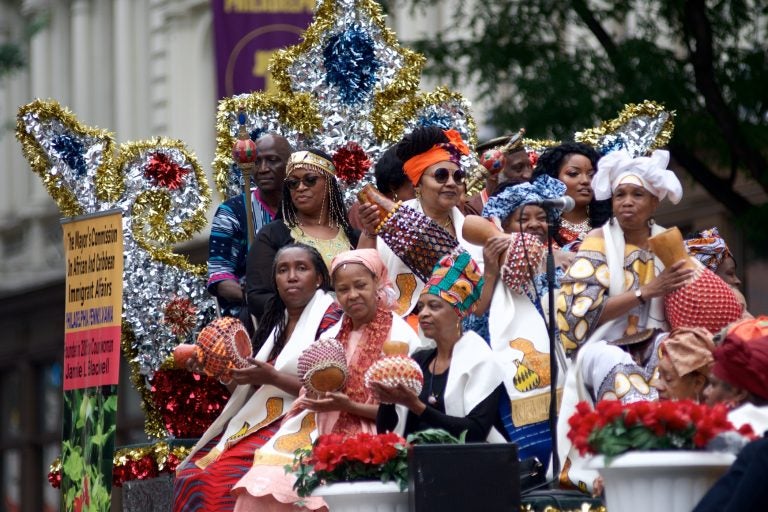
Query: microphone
[{"x": 565, "y": 203}]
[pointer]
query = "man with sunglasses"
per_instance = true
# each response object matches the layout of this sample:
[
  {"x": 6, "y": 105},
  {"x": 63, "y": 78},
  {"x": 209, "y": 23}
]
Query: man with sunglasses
[
  {"x": 228, "y": 243},
  {"x": 515, "y": 168}
]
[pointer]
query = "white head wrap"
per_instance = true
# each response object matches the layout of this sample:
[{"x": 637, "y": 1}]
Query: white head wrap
[{"x": 650, "y": 172}]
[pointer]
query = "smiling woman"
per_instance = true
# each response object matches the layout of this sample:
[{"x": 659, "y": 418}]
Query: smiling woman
[
  {"x": 312, "y": 212},
  {"x": 432, "y": 163}
]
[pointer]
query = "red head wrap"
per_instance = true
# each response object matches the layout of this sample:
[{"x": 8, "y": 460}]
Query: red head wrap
[
  {"x": 415, "y": 166},
  {"x": 743, "y": 363}
]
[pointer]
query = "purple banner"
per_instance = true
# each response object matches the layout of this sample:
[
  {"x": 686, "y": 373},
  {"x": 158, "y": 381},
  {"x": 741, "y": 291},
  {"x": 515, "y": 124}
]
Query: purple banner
[{"x": 246, "y": 34}]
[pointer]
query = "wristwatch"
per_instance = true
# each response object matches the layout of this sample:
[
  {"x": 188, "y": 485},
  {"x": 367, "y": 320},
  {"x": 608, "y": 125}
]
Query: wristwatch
[{"x": 639, "y": 295}]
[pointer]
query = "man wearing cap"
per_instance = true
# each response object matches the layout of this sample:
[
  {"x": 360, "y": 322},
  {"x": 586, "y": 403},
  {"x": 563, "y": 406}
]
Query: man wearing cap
[
  {"x": 507, "y": 161},
  {"x": 228, "y": 243}
]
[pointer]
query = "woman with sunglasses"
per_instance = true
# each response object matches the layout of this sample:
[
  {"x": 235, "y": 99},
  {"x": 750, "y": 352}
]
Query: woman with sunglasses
[
  {"x": 312, "y": 212},
  {"x": 431, "y": 160}
]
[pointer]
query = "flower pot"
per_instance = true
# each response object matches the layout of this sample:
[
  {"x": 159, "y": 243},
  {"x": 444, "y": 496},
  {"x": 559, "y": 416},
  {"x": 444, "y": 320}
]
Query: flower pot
[
  {"x": 363, "y": 497},
  {"x": 673, "y": 481}
]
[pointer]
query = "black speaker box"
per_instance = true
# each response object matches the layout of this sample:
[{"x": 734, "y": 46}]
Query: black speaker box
[{"x": 464, "y": 478}]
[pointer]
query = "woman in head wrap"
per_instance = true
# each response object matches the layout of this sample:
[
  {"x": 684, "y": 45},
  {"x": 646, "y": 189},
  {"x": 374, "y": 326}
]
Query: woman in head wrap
[
  {"x": 265, "y": 390},
  {"x": 363, "y": 291},
  {"x": 711, "y": 250},
  {"x": 462, "y": 382},
  {"x": 686, "y": 359},
  {"x": 575, "y": 164},
  {"x": 431, "y": 160},
  {"x": 312, "y": 212},
  {"x": 740, "y": 374},
  {"x": 615, "y": 287}
]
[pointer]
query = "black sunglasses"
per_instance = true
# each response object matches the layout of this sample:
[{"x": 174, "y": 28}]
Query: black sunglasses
[
  {"x": 441, "y": 175},
  {"x": 309, "y": 181}
]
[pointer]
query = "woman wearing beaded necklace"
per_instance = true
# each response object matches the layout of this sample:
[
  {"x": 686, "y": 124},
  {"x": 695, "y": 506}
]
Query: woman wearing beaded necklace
[
  {"x": 431, "y": 160},
  {"x": 575, "y": 164},
  {"x": 363, "y": 291},
  {"x": 312, "y": 212},
  {"x": 462, "y": 381}
]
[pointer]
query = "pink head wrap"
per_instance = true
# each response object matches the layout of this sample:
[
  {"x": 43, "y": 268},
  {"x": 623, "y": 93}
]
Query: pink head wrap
[{"x": 369, "y": 258}]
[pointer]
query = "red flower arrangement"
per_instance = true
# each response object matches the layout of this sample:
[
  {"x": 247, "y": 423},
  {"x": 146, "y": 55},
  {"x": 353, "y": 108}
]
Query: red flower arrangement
[
  {"x": 339, "y": 458},
  {"x": 612, "y": 428}
]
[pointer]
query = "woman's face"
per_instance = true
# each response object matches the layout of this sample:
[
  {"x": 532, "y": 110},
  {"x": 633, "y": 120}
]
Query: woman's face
[
  {"x": 437, "y": 319},
  {"x": 439, "y": 196},
  {"x": 531, "y": 218},
  {"x": 633, "y": 206},
  {"x": 355, "y": 287},
  {"x": 296, "y": 277},
  {"x": 309, "y": 189},
  {"x": 577, "y": 172},
  {"x": 718, "y": 391},
  {"x": 727, "y": 272},
  {"x": 672, "y": 386}
]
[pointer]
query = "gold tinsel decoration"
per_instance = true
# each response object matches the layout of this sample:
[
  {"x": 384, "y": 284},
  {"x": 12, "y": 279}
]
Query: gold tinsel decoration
[
  {"x": 549, "y": 508},
  {"x": 647, "y": 108},
  {"x": 149, "y": 227},
  {"x": 539, "y": 145},
  {"x": 108, "y": 182},
  {"x": 388, "y": 119},
  {"x": 295, "y": 111}
]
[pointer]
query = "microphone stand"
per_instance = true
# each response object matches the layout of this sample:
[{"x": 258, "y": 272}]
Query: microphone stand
[{"x": 553, "y": 368}]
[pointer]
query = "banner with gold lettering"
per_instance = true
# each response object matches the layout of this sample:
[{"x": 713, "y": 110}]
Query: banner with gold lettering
[
  {"x": 247, "y": 32},
  {"x": 93, "y": 247}
]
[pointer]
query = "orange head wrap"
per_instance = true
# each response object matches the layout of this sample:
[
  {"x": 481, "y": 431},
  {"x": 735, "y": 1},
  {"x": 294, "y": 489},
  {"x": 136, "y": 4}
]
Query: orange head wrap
[{"x": 450, "y": 151}]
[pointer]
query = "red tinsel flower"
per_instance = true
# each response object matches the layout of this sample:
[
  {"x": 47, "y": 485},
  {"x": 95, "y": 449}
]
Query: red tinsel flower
[
  {"x": 142, "y": 469},
  {"x": 54, "y": 478},
  {"x": 181, "y": 315},
  {"x": 188, "y": 403},
  {"x": 351, "y": 163},
  {"x": 533, "y": 157},
  {"x": 164, "y": 172},
  {"x": 120, "y": 475},
  {"x": 171, "y": 463}
]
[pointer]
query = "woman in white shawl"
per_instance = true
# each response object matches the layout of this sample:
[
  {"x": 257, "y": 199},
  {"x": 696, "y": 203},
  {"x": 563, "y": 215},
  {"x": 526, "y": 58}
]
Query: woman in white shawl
[
  {"x": 363, "y": 290},
  {"x": 462, "y": 382},
  {"x": 615, "y": 287},
  {"x": 266, "y": 390}
]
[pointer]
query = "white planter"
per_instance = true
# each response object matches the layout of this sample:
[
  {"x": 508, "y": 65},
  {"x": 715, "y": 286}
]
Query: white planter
[
  {"x": 673, "y": 481},
  {"x": 363, "y": 497}
]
